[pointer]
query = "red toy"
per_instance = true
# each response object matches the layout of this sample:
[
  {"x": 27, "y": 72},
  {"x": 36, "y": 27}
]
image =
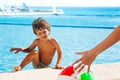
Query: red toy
[{"x": 68, "y": 71}]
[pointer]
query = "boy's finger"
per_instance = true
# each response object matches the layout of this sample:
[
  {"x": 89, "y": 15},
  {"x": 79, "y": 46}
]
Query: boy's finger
[
  {"x": 11, "y": 49},
  {"x": 16, "y": 51}
]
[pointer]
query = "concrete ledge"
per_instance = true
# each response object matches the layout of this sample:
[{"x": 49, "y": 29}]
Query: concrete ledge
[
  {"x": 101, "y": 72},
  {"x": 106, "y": 71}
]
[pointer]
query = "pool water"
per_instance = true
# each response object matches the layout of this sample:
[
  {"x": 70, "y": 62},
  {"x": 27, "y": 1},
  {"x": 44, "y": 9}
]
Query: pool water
[{"x": 71, "y": 40}]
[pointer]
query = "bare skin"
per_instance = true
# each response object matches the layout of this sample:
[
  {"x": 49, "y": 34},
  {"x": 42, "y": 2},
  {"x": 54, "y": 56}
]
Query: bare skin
[
  {"x": 90, "y": 55},
  {"x": 46, "y": 50}
]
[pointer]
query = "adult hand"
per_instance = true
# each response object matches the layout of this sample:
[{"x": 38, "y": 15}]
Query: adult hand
[{"x": 86, "y": 60}]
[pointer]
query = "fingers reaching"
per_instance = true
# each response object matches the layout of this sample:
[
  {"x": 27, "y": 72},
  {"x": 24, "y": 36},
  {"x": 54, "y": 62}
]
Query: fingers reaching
[
  {"x": 77, "y": 61},
  {"x": 88, "y": 69},
  {"x": 82, "y": 67}
]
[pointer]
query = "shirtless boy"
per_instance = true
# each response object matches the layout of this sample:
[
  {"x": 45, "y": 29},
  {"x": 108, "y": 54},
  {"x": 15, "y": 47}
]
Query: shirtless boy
[{"x": 46, "y": 45}]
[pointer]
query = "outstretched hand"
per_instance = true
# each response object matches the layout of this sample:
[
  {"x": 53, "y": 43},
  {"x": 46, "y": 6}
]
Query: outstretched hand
[
  {"x": 16, "y": 50},
  {"x": 86, "y": 60}
]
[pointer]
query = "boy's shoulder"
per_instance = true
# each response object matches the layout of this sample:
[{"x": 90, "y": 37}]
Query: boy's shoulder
[
  {"x": 53, "y": 39},
  {"x": 36, "y": 39}
]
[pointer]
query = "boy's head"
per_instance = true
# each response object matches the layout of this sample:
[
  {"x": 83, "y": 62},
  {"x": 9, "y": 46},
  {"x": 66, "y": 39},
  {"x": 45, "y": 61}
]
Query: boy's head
[{"x": 39, "y": 24}]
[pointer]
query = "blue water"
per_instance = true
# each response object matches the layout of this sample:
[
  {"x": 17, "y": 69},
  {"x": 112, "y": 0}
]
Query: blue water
[{"x": 78, "y": 29}]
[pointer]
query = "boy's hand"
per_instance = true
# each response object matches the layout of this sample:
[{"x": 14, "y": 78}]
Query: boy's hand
[
  {"x": 16, "y": 50},
  {"x": 58, "y": 66},
  {"x": 17, "y": 68}
]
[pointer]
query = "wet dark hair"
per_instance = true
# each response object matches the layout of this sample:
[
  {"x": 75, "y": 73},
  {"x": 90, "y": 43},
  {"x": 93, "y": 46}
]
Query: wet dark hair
[{"x": 40, "y": 23}]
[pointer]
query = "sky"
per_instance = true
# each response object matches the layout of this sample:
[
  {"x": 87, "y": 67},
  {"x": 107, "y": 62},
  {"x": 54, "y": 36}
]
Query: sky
[{"x": 78, "y": 3}]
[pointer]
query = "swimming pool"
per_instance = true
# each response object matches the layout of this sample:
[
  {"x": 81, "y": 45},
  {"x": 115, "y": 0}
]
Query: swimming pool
[
  {"x": 74, "y": 33},
  {"x": 70, "y": 39}
]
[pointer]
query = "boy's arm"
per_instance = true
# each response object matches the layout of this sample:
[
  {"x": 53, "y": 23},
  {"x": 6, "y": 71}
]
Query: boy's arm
[
  {"x": 28, "y": 49},
  {"x": 59, "y": 51}
]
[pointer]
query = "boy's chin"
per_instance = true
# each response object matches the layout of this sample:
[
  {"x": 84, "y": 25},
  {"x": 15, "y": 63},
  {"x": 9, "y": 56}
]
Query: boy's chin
[{"x": 45, "y": 39}]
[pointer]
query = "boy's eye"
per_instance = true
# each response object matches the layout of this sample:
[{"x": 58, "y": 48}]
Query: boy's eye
[
  {"x": 39, "y": 33},
  {"x": 44, "y": 32}
]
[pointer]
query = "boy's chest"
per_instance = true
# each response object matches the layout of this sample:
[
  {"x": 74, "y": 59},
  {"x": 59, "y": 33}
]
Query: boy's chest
[{"x": 46, "y": 45}]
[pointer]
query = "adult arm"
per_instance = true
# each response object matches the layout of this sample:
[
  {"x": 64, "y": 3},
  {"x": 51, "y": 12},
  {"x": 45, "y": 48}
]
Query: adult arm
[{"x": 89, "y": 56}]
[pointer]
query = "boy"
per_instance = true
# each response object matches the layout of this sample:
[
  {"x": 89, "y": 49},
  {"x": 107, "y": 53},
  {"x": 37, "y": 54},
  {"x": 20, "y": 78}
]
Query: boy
[{"x": 47, "y": 47}]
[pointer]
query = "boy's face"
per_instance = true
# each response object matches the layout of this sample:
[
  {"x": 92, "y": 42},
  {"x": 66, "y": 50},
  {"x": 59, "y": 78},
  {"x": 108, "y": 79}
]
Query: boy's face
[{"x": 43, "y": 34}]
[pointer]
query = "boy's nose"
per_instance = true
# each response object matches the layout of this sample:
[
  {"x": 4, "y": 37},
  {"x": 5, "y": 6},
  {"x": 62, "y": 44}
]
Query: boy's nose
[{"x": 42, "y": 35}]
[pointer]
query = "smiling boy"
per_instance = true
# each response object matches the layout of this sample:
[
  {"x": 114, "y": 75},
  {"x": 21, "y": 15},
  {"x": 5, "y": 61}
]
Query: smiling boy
[{"x": 47, "y": 47}]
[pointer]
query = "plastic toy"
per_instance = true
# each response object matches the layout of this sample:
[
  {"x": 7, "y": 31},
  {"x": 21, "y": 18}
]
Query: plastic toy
[{"x": 69, "y": 73}]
